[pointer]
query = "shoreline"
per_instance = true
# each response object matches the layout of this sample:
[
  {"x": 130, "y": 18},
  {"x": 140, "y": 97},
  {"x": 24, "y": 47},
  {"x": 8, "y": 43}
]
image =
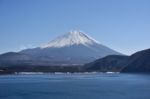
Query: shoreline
[{"x": 57, "y": 73}]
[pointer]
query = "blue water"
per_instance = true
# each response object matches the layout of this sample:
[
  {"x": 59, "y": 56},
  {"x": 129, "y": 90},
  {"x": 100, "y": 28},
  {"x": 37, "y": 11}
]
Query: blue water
[{"x": 75, "y": 86}]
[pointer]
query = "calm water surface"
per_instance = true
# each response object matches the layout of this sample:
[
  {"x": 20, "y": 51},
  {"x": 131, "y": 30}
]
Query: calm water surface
[{"x": 75, "y": 86}]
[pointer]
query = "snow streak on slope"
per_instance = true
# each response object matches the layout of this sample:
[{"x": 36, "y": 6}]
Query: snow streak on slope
[{"x": 71, "y": 38}]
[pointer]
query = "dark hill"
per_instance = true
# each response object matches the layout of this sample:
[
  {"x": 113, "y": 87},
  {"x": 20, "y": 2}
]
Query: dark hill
[
  {"x": 138, "y": 62},
  {"x": 108, "y": 63}
]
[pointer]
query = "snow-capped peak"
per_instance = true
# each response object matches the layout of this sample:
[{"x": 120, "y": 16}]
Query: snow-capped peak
[{"x": 71, "y": 38}]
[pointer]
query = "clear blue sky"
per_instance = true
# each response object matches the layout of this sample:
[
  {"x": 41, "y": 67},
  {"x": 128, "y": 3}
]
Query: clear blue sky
[{"x": 123, "y": 25}]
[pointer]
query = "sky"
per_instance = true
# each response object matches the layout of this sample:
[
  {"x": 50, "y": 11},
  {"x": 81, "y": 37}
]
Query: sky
[{"x": 123, "y": 25}]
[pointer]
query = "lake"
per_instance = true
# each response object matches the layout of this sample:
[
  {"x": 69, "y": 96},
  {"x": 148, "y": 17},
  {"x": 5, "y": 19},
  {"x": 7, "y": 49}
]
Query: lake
[{"x": 75, "y": 86}]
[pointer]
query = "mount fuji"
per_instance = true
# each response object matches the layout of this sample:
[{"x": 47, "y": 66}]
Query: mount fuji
[{"x": 73, "y": 48}]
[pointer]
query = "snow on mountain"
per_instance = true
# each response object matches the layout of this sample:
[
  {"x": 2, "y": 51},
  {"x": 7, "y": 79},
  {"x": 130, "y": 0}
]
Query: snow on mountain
[{"x": 71, "y": 38}]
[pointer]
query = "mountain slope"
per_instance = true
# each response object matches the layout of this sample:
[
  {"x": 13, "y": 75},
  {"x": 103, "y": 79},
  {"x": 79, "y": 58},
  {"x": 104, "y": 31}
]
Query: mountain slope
[
  {"x": 72, "y": 48},
  {"x": 13, "y": 59}
]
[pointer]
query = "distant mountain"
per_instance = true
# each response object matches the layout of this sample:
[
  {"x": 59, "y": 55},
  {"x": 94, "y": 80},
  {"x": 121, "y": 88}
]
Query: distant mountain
[
  {"x": 72, "y": 48},
  {"x": 138, "y": 62}
]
